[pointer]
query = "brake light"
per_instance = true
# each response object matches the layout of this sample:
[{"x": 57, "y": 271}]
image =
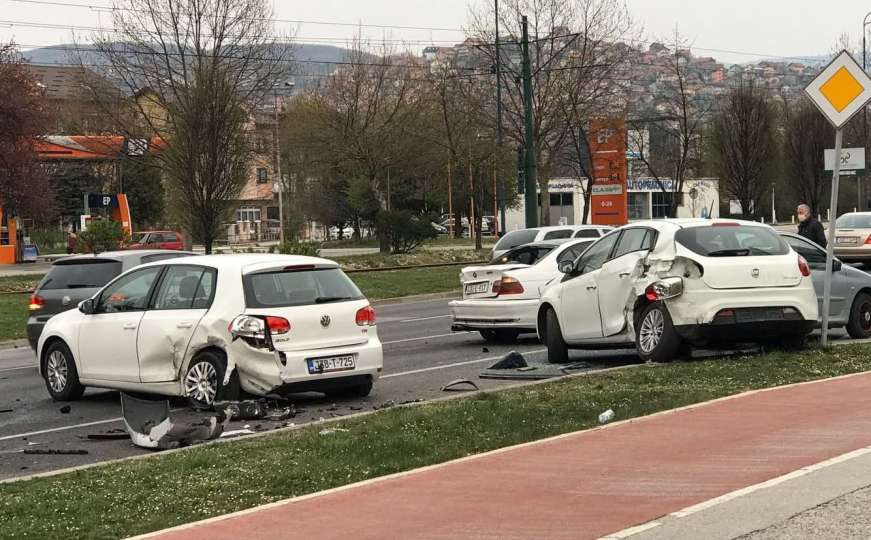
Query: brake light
[
  {"x": 664, "y": 289},
  {"x": 650, "y": 293},
  {"x": 507, "y": 285},
  {"x": 366, "y": 316},
  {"x": 803, "y": 267},
  {"x": 277, "y": 325},
  {"x": 868, "y": 240},
  {"x": 36, "y": 302}
]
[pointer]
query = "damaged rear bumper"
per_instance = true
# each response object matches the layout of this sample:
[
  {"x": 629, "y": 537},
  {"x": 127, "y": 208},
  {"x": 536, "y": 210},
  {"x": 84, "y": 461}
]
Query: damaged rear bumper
[
  {"x": 487, "y": 314},
  {"x": 744, "y": 332}
]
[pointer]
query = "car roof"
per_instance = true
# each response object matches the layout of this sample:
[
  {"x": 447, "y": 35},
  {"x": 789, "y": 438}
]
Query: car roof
[
  {"x": 685, "y": 223},
  {"x": 120, "y": 256},
  {"x": 248, "y": 262}
]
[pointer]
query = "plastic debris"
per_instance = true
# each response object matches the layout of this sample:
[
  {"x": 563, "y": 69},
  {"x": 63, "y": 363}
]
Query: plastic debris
[
  {"x": 332, "y": 431},
  {"x": 512, "y": 360},
  {"x": 65, "y": 409},
  {"x": 5, "y": 410},
  {"x": 236, "y": 433},
  {"x": 606, "y": 416},
  {"x": 55, "y": 452},
  {"x": 456, "y": 386},
  {"x": 149, "y": 424},
  {"x": 111, "y": 435}
]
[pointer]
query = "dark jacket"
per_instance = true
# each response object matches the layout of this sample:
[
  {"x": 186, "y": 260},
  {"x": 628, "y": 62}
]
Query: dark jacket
[{"x": 813, "y": 231}]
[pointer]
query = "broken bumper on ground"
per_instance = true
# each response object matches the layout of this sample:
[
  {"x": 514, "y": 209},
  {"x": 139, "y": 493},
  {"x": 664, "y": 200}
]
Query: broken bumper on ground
[
  {"x": 264, "y": 372},
  {"x": 489, "y": 314}
]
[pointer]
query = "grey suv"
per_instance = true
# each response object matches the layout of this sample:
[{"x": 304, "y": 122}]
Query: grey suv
[{"x": 79, "y": 277}]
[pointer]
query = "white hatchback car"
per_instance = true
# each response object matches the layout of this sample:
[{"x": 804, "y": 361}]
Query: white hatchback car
[
  {"x": 660, "y": 284},
  {"x": 500, "y": 300},
  {"x": 204, "y": 327}
]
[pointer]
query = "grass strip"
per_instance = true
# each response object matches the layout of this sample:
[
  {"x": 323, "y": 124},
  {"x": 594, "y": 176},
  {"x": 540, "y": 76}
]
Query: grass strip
[
  {"x": 13, "y": 316},
  {"x": 135, "y": 497},
  {"x": 394, "y": 284}
]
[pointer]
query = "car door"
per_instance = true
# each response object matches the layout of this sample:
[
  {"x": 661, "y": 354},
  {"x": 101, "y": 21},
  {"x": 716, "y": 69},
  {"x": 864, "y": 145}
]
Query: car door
[
  {"x": 579, "y": 299},
  {"x": 816, "y": 259},
  {"x": 615, "y": 280},
  {"x": 183, "y": 296},
  {"x": 107, "y": 338}
]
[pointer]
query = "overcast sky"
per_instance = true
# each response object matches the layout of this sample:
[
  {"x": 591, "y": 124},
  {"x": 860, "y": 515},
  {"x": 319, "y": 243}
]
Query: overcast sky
[{"x": 762, "y": 27}]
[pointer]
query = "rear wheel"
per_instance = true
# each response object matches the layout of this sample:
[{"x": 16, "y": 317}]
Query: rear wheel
[
  {"x": 204, "y": 380},
  {"x": 557, "y": 350},
  {"x": 59, "y": 371},
  {"x": 859, "y": 324},
  {"x": 655, "y": 336},
  {"x": 500, "y": 336}
]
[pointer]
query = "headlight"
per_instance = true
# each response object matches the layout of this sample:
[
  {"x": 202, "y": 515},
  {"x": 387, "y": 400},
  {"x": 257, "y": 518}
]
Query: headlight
[{"x": 664, "y": 289}]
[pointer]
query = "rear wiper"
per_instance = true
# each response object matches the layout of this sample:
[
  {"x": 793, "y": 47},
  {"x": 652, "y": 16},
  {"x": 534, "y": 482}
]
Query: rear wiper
[
  {"x": 80, "y": 286},
  {"x": 329, "y": 299},
  {"x": 730, "y": 253}
]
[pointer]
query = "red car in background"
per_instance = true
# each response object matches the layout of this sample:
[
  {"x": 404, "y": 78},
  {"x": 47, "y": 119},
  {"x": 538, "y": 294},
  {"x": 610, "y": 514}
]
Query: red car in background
[{"x": 157, "y": 240}]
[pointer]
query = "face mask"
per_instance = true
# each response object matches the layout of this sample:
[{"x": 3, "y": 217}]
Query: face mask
[{"x": 802, "y": 217}]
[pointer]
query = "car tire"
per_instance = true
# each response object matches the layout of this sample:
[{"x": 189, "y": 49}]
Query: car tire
[
  {"x": 60, "y": 373},
  {"x": 557, "y": 350},
  {"x": 859, "y": 324},
  {"x": 655, "y": 336},
  {"x": 502, "y": 336},
  {"x": 356, "y": 391},
  {"x": 204, "y": 380}
]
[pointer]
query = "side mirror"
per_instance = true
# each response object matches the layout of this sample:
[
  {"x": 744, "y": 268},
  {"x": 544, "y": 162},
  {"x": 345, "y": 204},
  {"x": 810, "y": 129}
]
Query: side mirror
[
  {"x": 837, "y": 265},
  {"x": 87, "y": 306},
  {"x": 567, "y": 267}
]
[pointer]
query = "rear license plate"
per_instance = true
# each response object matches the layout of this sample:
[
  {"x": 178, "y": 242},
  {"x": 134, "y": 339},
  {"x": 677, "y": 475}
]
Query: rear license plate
[
  {"x": 845, "y": 240},
  {"x": 328, "y": 365},
  {"x": 477, "y": 288},
  {"x": 758, "y": 315}
]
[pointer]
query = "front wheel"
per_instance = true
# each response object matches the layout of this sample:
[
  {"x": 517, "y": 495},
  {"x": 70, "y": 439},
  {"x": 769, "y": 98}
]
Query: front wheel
[
  {"x": 655, "y": 336},
  {"x": 859, "y": 325},
  {"x": 204, "y": 380},
  {"x": 59, "y": 371}
]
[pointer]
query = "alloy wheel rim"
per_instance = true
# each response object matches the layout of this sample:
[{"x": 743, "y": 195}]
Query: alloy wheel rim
[
  {"x": 201, "y": 382},
  {"x": 57, "y": 371},
  {"x": 865, "y": 316},
  {"x": 651, "y": 331}
]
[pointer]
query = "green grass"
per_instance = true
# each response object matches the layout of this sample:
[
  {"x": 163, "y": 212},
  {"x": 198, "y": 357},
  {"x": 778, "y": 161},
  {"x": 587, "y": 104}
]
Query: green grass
[
  {"x": 24, "y": 282},
  {"x": 393, "y": 284},
  {"x": 13, "y": 316},
  {"x": 135, "y": 497},
  {"x": 419, "y": 257}
]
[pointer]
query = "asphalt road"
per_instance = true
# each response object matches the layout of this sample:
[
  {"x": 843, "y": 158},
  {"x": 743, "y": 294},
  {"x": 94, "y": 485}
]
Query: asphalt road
[{"x": 421, "y": 355}]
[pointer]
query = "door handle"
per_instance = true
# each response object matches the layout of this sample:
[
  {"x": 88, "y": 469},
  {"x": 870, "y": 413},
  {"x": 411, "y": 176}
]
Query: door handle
[
  {"x": 592, "y": 288},
  {"x": 184, "y": 325},
  {"x": 625, "y": 275},
  {"x": 130, "y": 326}
]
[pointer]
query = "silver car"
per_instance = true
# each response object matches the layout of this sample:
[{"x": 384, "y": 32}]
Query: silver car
[{"x": 850, "y": 304}]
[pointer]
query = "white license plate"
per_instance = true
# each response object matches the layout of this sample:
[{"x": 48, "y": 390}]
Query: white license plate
[
  {"x": 845, "y": 240},
  {"x": 328, "y": 365},
  {"x": 477, "y": 288}
]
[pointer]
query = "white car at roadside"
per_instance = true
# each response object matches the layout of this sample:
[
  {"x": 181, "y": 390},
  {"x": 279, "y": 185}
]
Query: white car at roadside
[
  {"x": 500, "y": 300},
  {"x": 658, "y": 285},
  {"x": 206, "y": 327},
  {"x": 513, "y": 239}
]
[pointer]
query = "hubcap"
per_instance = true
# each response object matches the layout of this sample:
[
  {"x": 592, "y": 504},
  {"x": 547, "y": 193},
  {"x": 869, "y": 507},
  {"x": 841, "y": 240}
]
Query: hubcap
[
  {"x": 201, "y": 382},
  {"x": 57, "y": 371},
  {"x": 651, "y": 331},
  {"x": 865, "y": 316}
]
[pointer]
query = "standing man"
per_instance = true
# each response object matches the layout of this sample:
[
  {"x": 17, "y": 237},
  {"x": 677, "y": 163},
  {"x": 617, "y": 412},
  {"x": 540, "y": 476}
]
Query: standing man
[{"x": 809, "y": 227}]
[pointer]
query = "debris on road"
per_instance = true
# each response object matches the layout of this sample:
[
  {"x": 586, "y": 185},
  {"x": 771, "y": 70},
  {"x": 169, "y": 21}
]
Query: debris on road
[
  {"x": 385, "y": 405},
  {"x": 515, "y": 366},
  {"x": 456, "y": 386},
  {"x": 149, "y": 424},
  {"x": 5, "y": 410},
  {"x": 55, "y": 452},
  {"x": 236, "y": 433},
  {"x": 606, "y": 416},
  {"x": 65, "y": 409},
  {"x": 512, "y": 360},
  {"x": 111, "y": 435}
]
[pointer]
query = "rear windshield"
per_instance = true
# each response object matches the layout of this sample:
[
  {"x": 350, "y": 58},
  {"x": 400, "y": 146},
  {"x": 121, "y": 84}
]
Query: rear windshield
[
  {"x": 524, "y": 255},
  {"x": 854, "y": 221},
  {"x": 516, "y": 238},
  {"x": 731, "y": 241},
  {"x": 290, "y": 288},
  {"x": 84, "y": 274},
  {"x": 556, "y": 235}
]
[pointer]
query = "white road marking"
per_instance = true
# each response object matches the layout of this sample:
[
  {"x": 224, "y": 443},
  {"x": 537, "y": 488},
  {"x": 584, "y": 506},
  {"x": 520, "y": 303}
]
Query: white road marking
[
  {"x": 426, "y": 318},
  {"x": 54, "y": 430},
  {"x": 423, "y": 338},
  {"x": 626, "y": 533},
  {"x": 19, "y": 368},
  {"x": 456, "y": 364}
]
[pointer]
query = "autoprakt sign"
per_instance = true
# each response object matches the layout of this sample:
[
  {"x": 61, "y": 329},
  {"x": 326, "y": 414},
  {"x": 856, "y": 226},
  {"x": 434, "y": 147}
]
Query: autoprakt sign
[{"x": 607, "y": 141}]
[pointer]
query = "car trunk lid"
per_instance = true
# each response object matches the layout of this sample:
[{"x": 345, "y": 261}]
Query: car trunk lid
[
  {"x": 321, "y": 326},
  {"x": 477, "y": 281}
]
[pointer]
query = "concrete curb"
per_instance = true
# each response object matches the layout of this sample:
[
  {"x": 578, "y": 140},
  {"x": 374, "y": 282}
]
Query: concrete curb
[{"x": 416, "y": 298}]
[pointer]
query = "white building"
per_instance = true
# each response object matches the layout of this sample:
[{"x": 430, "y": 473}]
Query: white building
[{"x": 701, "y": 198}]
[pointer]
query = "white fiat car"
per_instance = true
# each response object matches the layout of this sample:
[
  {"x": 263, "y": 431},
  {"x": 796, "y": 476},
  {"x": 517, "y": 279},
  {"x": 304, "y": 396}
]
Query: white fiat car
[
  {"x": 500, "y": 300},
  {"x": 204, "y": 327},
  {"x": 658, "y": 285}
]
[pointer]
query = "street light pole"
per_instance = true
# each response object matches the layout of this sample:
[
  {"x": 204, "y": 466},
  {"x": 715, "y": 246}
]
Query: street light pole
[
  {"x": 864, "y": 111},
  {"x": 276, "y": 146},
  {"x": 500, "y": 199}
]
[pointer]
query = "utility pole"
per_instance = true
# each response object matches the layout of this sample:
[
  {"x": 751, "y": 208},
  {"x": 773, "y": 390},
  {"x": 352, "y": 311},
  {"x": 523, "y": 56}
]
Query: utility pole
[
  {"x": 531, "y": 175},
  {"x": 500, "y": 199},
  {"x": 471, "y": 195},
  {"x": 277, "y": 155},
  {"x": 864, "y": 114},
  {"x": 450, "y": 201}
]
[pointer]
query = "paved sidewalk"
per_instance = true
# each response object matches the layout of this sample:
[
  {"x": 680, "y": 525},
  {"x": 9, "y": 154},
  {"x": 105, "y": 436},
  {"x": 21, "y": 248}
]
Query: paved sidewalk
[{"x": 582, "y": 485}]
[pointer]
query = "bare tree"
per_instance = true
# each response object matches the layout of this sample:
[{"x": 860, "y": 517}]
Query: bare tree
[
  {"x": 807, "y": 135},
  {"x": 743, "y": 140},
  {"x": 198, "y": 69}
]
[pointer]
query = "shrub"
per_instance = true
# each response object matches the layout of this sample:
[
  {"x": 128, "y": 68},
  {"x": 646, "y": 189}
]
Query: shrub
[
  {"x": 403, "y": 230},
  {"x": 102, "y": 235},
  {"x": 309, "y": 249}
]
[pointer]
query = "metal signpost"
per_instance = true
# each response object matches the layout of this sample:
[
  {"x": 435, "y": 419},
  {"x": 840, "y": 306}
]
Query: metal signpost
[{"x": 840, "y": 91}]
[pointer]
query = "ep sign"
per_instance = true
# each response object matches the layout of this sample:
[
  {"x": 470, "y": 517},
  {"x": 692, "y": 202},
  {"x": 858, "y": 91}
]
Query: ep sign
[{"x": 852, "y": 159}]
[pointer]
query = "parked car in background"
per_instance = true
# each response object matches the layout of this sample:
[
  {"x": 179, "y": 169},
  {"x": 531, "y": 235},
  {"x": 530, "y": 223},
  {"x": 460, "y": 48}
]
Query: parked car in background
[
  {"x": 73, "y": 279},
  {"x": 853, "y": 237},
  {"x": 157, "y": 240},
  {"x": 658, "y": 285},
  {"x": 206, "y": 327},
  {"x": 520, "y": 237},
  {"x": 850, "y": 301},
  {"x": 500, "y": 300}
]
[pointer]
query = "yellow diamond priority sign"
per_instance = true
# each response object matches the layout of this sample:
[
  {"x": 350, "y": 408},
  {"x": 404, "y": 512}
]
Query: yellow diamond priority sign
[{"x": 840, "y": 90}]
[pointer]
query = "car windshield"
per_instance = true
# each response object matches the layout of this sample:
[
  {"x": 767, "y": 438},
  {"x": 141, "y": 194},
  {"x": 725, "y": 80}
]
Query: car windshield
[
  {"x": 81, "y": 274},
  {"x": 854, "y": 221},
  {"x": 516, "y": 238},
  {"x": 138, "y": 238},
  {"x": 524, "y": 255},
  {"x": 289, "y": 288},
  {"x": 731, "y": 241}
]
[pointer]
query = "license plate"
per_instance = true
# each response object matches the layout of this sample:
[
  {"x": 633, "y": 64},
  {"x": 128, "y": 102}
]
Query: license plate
[
  {"x": 328, "y": 365},
  {"x": 845, "y": 240},
  {"x": 477, "y": 288},
  {"x": 758, "y": 315}
]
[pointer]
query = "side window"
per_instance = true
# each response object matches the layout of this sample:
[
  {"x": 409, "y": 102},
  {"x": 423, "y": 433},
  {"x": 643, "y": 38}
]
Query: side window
[
  {"x": 184, "y": 287},
  {"x": 558, "y": 234},
  {"x": 598, "y": 253},
  {"x": 568, "y": 255},
  {"x": 812, "y": 254},
  {"x": 587, "y": 233},
  {"x": 129, "y": 293},
  {"x": 171, "y": 237},
  {"x": 634, "y": 240},
  {"x": 206, "y": 290}
]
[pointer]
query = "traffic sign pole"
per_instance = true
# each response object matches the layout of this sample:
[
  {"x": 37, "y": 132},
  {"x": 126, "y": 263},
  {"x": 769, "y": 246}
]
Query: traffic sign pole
[{"x": 830, "y": 246}]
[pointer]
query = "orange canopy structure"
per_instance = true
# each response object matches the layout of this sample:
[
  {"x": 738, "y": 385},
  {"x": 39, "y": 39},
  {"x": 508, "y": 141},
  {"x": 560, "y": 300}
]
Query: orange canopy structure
[{"x": 93, "y": 147}]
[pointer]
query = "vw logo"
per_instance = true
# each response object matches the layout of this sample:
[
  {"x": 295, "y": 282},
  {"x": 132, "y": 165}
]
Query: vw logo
[
  {"x": 325, "y": 320},
  {"x": 474, "y": 274},
  {"x": 755, "y": 273}
]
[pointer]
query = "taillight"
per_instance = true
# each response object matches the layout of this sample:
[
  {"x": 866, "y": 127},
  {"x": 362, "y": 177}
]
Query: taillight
[
  {"x": 803, "y": 267},
  {"x": 868, "y": 240},
  {"x": 277, "y": 325},
  {"x": 664, "y": 289},
  {"x": 650, "y": 293},
  {"x": 507, "y": 285},
  {"x": 366, "y": 316},
  {"x": 36, "y": 302}
]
